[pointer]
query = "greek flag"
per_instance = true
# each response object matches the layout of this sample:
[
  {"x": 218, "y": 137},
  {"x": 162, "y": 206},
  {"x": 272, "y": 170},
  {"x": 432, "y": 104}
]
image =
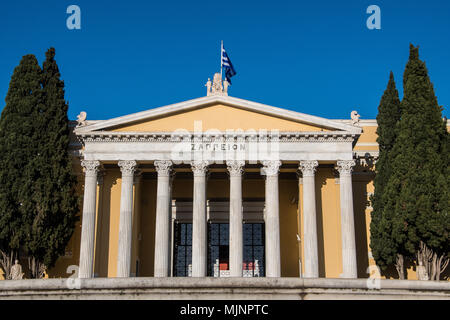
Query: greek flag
[{"x": 227, "y": 65}]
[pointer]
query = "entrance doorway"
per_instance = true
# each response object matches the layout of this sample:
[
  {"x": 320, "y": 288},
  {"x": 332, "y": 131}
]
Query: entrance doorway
[{"x": 218, "y": 250}]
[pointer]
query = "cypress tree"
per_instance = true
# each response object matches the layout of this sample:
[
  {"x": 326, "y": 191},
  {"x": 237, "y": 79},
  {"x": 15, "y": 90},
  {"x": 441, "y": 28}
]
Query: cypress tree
[
  {"x": 435, "y": 228},
  {"x": 416, "y": 191},
  {"x": 17, "y": 145},
  {"x": 384, "y": 249},
  {"x": 52, "y": 222}
]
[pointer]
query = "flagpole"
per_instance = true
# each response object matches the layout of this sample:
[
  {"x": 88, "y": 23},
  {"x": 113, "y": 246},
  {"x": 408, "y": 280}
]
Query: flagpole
[{"x": 221, "y": 58}]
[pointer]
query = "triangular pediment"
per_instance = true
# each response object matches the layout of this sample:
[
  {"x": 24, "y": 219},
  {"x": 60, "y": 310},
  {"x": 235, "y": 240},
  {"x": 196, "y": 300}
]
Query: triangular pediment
[{"x": 217, "y": 113}]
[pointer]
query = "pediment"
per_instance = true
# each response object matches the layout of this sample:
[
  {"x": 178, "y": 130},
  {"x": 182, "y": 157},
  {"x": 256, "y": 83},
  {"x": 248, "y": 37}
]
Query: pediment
[{"x": 217, "y": 113}]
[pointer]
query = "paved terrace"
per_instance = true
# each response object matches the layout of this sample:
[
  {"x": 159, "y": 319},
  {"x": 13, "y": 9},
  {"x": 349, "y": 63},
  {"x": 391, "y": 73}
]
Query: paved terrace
[{"x": 222, "y": 288}]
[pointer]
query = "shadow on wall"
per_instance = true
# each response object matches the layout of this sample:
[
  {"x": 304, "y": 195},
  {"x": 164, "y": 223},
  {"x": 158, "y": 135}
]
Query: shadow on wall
[
  {"x": 288, "y": 199},
  {"x": 360, "y": 203},
  {"x": 320, "y": 181},
  {"x": 103, "y": 225},
  {"x": 147, "y": 223}
]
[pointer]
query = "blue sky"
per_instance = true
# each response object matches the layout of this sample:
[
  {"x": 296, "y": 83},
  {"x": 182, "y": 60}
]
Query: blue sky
[{"x": 315, "y": 57}]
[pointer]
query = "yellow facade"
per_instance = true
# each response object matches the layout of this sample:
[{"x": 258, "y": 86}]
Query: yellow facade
[
  {"x": 218, "y": 117},
  {"x": 222, "y": 117}
]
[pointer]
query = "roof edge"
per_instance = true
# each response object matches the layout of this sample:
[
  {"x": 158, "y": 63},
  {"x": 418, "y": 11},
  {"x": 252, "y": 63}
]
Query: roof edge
[{"x": 234, "y": 102}]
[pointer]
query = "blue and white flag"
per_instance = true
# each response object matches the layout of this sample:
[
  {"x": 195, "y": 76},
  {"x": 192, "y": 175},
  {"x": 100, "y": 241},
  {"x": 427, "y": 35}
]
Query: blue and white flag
[{"x": 227, "y": 65}]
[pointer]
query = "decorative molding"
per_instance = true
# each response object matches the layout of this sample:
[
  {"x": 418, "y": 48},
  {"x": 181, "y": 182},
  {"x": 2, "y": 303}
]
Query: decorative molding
[
  {"x": 127, "y": 167},
  {"x": 91, "y": 167},
  {"x": 290, "y": 136},
  {"x": 367, "y": 144},
  {"x": 271, "y": 167},
  {"x": 366, "y": 162},
  {"x": 308, "y": 167},
  {"x": 163, "y": 167},
  {"x": 345, "y": 167},
  {"x": 199, "y": 167},
  {"x": 362, "y": 122},
  {"x": 367, "y": 156},
  {"x": 235, "y": 167}
]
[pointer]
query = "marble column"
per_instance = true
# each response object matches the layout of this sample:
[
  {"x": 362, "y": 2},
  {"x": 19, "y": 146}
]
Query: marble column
[
  {"x": 349, "y": 266},
  {"x": 88, "y": 222},
  {"x": 162, "y": 229},
  {"x": 199, "y": 231},
  {"x": 310, "y": 246},
  {"x": 126, "y": 218},
  {"x": 236, "y": 168},
  {"x": 272, "y": 219}
]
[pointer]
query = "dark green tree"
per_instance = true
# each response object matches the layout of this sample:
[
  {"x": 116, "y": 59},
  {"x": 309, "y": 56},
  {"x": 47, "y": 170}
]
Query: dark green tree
[
  {"x": 384, "y": 248},
  {"x": 417, "y": 191},
  {"x": 17, "y": 146},
  {"x": 52, "y": 221}
]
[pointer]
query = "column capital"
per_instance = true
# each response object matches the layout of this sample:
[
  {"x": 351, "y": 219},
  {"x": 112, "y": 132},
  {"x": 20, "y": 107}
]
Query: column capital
[
  {"x": 163, "y": 167},
  {"x": 91, "y": 167},
  {"x": 127, "y": 167},
  {"x": 308, "y": 167},
  {"x": 345, "y": 167},
  {"x": 199, "y": 167},
  {"x": 235, "y": 167},
  {"x": 271, "y": 167}
]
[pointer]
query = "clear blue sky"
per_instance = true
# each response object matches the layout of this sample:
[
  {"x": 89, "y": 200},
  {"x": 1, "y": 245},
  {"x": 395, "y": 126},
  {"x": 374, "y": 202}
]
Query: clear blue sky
[{"x": 315, "y": 57}]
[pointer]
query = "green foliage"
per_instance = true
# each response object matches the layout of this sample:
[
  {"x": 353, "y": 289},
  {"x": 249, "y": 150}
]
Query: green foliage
[
  {"x": 417, "y": 190},
  {"x": 411, "y": 198},
  {"x": 52, "y": 220},
  {"x": 17, "y": 145},
  {"x": 38, "y": 203},
  {"x": 383, "y": 247}
]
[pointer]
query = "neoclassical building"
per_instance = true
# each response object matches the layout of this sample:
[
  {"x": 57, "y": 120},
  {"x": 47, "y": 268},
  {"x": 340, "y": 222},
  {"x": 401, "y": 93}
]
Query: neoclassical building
[{"x": 222, "y": 187}]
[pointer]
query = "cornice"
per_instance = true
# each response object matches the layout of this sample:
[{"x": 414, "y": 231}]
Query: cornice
[
  {"x": 287, "y": 136},
  {"x": 361, "y": 122}
]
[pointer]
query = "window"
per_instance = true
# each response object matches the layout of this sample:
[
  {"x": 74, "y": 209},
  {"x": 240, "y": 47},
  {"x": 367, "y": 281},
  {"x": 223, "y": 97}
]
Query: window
[
  {"x": 183, "y": 250},
  {"x": 254, "y": 259},
  {"x": 218, "y": 249}
]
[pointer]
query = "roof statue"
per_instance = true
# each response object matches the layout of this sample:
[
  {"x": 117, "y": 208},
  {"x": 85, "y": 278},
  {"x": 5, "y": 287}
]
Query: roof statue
[
  {"x": 355, "y": 118},
  {"x": 217, "y": 87},
  {"x": 208, "y": 87},
  {"x": 225, "y": 86},
  {"x": 81, "y": 119}
]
